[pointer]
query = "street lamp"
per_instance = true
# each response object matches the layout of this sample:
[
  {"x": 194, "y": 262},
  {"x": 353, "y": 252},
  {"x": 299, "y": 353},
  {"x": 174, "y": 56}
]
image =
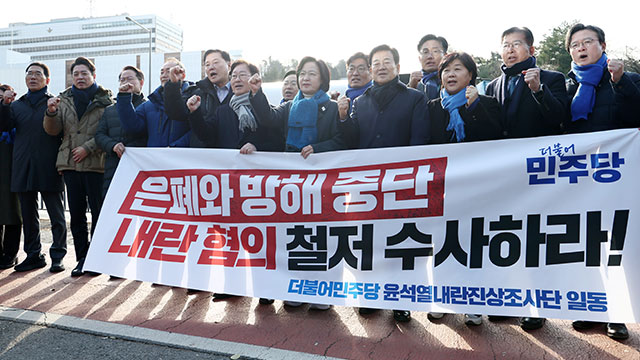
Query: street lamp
[{"x": 149, "y": 31}]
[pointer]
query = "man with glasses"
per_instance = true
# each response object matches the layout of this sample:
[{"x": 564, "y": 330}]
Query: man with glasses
[
  {"x": 149, "y": 118},
  {"x": 34, "y": 169},
  {"x": 617, "y": 94},
  {"x": 603, "y": 97},
  {"x": 432, "y": 49},
  {"x": 533, "y": 100},
  {"x": 387, "y": 114},
  {"x": 358, "y": 80}
]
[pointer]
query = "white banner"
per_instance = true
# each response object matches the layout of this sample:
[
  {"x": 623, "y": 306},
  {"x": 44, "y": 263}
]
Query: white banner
[{"x": 529, "y": 227}]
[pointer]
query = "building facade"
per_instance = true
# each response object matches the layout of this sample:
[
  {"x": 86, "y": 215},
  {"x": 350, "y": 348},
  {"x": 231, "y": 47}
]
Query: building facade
[{"x": 64, "y": 39}]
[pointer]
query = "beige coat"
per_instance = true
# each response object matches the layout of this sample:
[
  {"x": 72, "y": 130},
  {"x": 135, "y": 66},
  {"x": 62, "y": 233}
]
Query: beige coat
[{"x": 78, "y": 133}]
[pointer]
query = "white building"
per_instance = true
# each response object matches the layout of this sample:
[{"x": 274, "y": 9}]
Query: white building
[{"x": 64, "y": 39}]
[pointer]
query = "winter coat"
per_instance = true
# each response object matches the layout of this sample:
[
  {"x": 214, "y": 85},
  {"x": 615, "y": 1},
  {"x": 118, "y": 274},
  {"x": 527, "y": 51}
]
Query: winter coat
[
  {"x": 404, "y": 121},
  {"x": 617, "y": 105},
  {"x": 481, "y": 121},
  {"x": 78, "y": 132},
  {"x": 222, "y": 131},
  {"x": 109, "y": 134},
  {"x": 536, "y": 114},
  {"x": 329, "y": 136},
  {"x": 176, "y": 103},
  {"x": 150, "y": 119},
  {"x": 9, "y": 204},
  {"x": 34, "y": 151}
]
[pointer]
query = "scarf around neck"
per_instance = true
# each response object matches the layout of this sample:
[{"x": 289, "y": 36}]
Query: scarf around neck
[
  {"x": 452, "y": 103},
  {"x": 242, "y": 107},
  {"x": 353, "y": 93},
  {"x": 383, "y": 94},
  {"x": 35, "y": 97},
  {"x": 511, "y": 102},
  {"x": 427, "y": 76},
  {"x": 82, "y": 98},
  {"x": 588, "y": 76},
  {"x": 303, "y": 119}
]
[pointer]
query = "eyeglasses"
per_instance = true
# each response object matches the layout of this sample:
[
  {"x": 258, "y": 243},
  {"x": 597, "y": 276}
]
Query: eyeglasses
[
  {"x": 38, "y": 74},
  {"x": 360, "y": 69},
  {"x": 433, "y": 52},
  {"x": 386, "y": 63},
  {"x": 515, "y": 45},
  {"x": 586, "y": 43},
  {"x": 240, "y": 76}
]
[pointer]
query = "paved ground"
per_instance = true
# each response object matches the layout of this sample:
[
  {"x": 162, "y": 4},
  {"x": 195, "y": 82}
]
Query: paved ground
[
  {"x": 21, "y": 341},
  {"x": 339, "y": 332}
]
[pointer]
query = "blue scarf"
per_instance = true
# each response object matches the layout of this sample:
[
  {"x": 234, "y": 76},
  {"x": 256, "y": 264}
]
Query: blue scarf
[
  {"x": 35, "y": 97},
  {"x": 303, "y": 118},
  {"x": 353, "y": 93},
  {"x": 82, "y": 98},
  {"x": 588, "y": 77},
  {"x": 451, "y": 103},
  {"x": 427, "y": 76}
]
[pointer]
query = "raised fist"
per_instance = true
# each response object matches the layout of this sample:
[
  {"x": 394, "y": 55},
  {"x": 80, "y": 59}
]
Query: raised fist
[
  {"x": 125, "y": 88},
  {"x": 9, "y": 96},
  {"x": 52, "y": 104},
  {"x": 255, "y": 83},
  {"x": 343, "y": 107},
  {"x": 177, "y": 74},
  {"x": 193, "y": 103},
  {"x": 415, "y": 78}
]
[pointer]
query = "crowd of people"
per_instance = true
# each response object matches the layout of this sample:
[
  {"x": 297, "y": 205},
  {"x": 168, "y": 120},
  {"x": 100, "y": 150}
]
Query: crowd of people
[{"x": 79, "y": 136}]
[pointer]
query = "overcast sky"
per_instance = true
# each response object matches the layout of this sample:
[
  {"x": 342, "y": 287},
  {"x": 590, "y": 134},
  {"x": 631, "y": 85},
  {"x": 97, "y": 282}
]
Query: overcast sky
[{"x": 335, "y": 29}]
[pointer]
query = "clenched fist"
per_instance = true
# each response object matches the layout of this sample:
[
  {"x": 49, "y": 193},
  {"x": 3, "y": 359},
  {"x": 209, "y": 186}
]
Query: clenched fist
[
  {"x": 52, "y": 104},
  {"x": 193, "y": 103},
  {"x": 255, "y": 83},
  {"x": 343, "y": 107}
]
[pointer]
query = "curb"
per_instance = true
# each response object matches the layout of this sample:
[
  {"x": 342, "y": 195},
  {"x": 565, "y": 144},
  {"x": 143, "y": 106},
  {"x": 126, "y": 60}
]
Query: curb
[{"x": 154, "y": 337}]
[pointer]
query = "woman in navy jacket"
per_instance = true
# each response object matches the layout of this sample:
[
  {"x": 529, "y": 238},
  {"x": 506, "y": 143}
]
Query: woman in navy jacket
[{"x": 309, "y": 122}]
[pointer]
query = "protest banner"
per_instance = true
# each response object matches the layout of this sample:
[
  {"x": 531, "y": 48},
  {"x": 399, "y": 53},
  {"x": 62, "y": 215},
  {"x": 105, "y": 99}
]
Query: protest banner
[{"x": 543, "y": 227}]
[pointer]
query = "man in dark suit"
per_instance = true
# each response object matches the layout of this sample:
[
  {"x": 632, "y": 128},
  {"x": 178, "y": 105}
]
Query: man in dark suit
[
  {"x": 34, "y": 168},
  {"x": 387, "y": 114},
  {"x": 603, "y": 97},
  {"x": 534, "y": 101},
  {"x": 214, "y": 90}
]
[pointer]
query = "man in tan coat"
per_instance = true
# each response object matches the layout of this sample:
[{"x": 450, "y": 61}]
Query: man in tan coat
[{"x": 75, "y": 114}]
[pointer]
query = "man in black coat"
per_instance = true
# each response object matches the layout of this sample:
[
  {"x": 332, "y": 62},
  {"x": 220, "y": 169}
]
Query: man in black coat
[
  {"x": 432, "y": 50},
  {"x": 534, "y": 101},
  {"x": 34, "y": 169},
  {"x": 214, "y": 90},
  {"x": 603, "y": 97},
  {"x": 387, "y": 114},
  {"x": 110, "y": 137}
]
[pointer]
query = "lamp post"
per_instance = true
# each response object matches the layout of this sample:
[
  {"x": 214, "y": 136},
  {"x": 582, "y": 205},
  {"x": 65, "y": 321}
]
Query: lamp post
[{"x": 149, "y": 31}]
